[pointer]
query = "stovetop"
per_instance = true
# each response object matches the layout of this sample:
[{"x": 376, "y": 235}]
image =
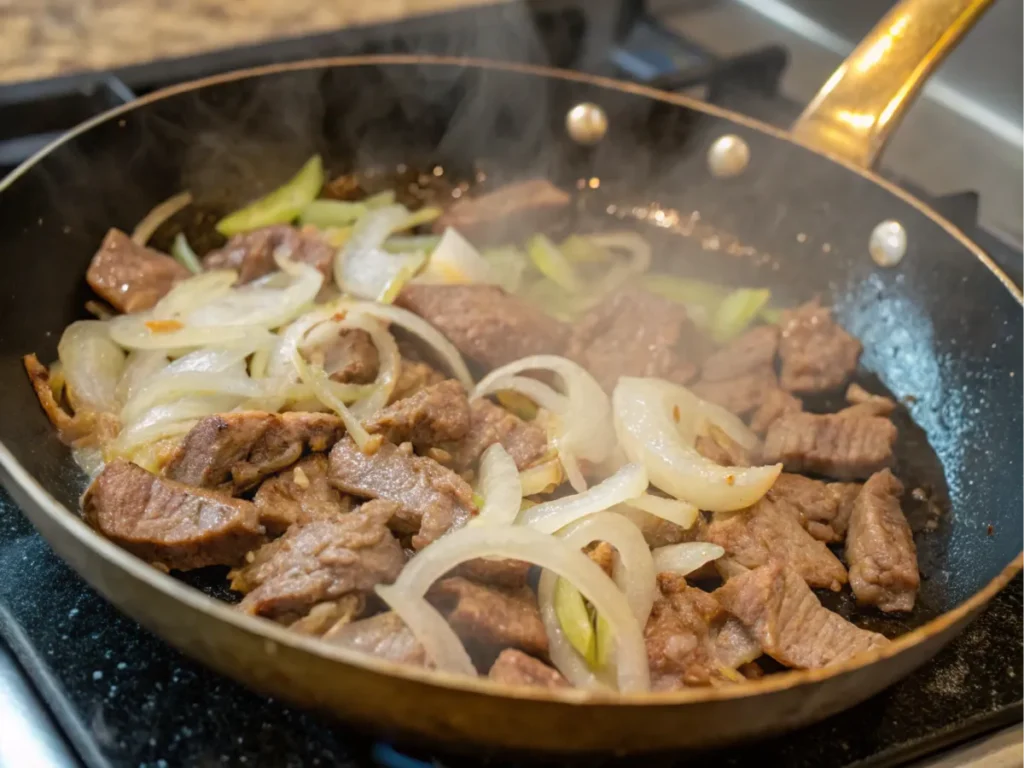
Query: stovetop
[{"x": 110, "y": 693}]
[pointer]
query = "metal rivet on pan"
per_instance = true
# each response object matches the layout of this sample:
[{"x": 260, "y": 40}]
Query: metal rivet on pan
[
  {"x": 728, "y": 156},
  {"x": 586, "y": 123},
  {"x": 888, "y": 243}
]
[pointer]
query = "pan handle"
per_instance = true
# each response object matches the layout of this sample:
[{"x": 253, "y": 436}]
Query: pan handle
[{"x": 856, "y": 111}]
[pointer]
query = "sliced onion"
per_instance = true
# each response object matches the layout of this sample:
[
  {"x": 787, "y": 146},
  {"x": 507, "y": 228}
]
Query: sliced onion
[
  {"x": 539, "y": 392},
  {"x": 419, "y": 328},
  {"x": 177, "y": 385},
  {"x": 89, "y": 458},
  {"x": 92, "y": 365},
  {"x": 193, "y": 293},
  {"x": 630, "y": 481},
  {"x": 131, "y": 332},
  {"x": 520, "y": 543},
  {"x": 168, "y": 420},
  {"x": 679, "y": 512},
  {"x": 455, "y": 260},
  {"x": 542, "y": 478},
  {"x": 651, "y": 436},
  {"x": 500, "y": 486},
  {"x": 566, "y": 659},
  {"x": 438, "y": 639},
  {"x": 151, "y": 221},
  {"x": 139, "y": 368},
  {"x": 279, "y": 366},
  {"x": 686, "y": 557},
  {"x": 318, "y": 381},
  {"x": 362, "y": 267}
]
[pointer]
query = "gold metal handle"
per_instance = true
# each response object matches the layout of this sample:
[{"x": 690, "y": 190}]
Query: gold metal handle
[{"x": 857, "y": 110}]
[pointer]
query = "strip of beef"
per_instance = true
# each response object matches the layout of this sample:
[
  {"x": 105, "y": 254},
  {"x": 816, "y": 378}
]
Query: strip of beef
[
  {"x": 523, "y": 206},
  {"x": 252, "y": 253},
  {"x": 495, "y": 571},
  {"x": 722, "y": 449},
  {"x": 485, "y": 323},
  {"x": 863, "y": 403},
  {"x": 814, "y": 503},
  {"x": 880, "y": 547},
  {"x": 775, "y": 404},
  {"x": 412, "y": 377},
  {"x": 434, "y": 415},
  {"x": 384, "y": 635},
  {"x": 351, "y": 357},
  {"x": 131, "y": 277},
  {"x": 514, "y": 667},
  {"x": 490, "y": 618},
  {"x": 525, "y": 441},
  {"x": 678, "y": 635},
  {"x": 753, "y": 351},
  {"x": 234, "y": 451},
  {"x": 169, "y": 524},
  {"x": 755, "y": 536},
  {"x": 635, "y": 333},
  {"x": 817, "y": 354},
  {"x": 734, "y": 646},
  {"x": 780, "y": 610},
  {"x": 846, "y": 448},
  {"x": 740, "y": 395},
  {"x": 431, "y": 498},
  {"x": 299, "y": 495},
  {"x": 846, "y": 494},
  {"x": 319, "y": 562},
  {"x": 328, "y": 618}
]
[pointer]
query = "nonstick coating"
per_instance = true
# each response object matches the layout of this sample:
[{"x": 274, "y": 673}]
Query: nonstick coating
[{"x": 941, "y": 331}]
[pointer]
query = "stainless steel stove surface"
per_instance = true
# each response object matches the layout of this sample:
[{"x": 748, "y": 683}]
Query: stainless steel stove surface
[{"x": 82, "y": 684}]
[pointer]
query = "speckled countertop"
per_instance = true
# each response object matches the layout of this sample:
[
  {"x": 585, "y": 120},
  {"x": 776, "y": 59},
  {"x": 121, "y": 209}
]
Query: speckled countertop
[{"x": 46, "y": 38}]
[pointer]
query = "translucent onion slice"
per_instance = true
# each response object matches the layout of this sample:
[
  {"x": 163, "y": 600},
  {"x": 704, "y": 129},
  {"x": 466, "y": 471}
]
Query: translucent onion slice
[
  {"x": 438, "y": 639},
  {"x": 686, "y": 557},
  {"x": 522, "y": 543},
  {"x": 320, "y": 384},
  {"x": 167, "y": 420},
  {"x": 189, "y": 383},
  {"x": 627, "y": 483},
  {"x": 151, "y": 221},
  {"x": 192, "y": 293},
  {"x": 140, "y": 367},
  {"x": 679, "y": 512},
  {"x": 537, "y": 391},
  {"x": 93, "y": 365},
  {"x": 542, "y": 478},
  {"x": 455, "y": 260},
  {"x": 564, "y": 656},
  {"x": 362, "y": 267},
  {"x": 500, "y": 486},
  {"x": 650, "y": 435},
  {"x": 131, "y": 332}
]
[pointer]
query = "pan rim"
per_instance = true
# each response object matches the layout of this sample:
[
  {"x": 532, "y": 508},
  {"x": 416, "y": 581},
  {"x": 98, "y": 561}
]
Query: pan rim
[{"x": 13, "y": 473}]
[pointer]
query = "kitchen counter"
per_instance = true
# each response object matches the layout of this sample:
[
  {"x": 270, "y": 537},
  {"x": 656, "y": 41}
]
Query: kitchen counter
[{"x": 46, "y": 38}]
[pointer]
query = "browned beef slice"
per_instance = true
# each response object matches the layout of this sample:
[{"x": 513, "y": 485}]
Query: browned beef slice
[
  {"x": 880, "y": 547},
  {"x": 846, "y": 448},
  {"x": 659, "y": 532},
  {"x": 491, "y": 617},
  {"x": 170, "y": 524},
  {"x": 753, "y": 351},
  {"x": 234, "y": 451},
  {"x": 722, "y": 449},
  {"x": 434, "y": 415},
  {"x": 412, "y": 377},
  {"x": 780, "y": 610},
  {"x": 252, "y": 253},
  {"x": 764, "y": 532},
  {"x": 817, "y": 355},
  {"x": 431, "y": 498},
  {"x": 678, "y": 635},
  {"x": 329, "y": 617},
  {"x": 351, "y": 358},
  {"x": 814, "y": 503},
  {"x": 384, "y": 635},
  {"x": 635, "y": 333},
  {"x": 485, "y": 323},
  {"x": 514, "y": 667},
  {"x": 775, "y": 403},
  {"x": 732, "y": 642},
  {"x": 299, "y": 495},
  {"x": 741, "y": 394},
  {"x": 131, "y": 277},
  {"x": 524, "y": 206},
  {"x": 498, "y": 572},
  {"x": 863, "y": 403},
  {"x": 846, "y": 494},
  {"x": 525, "y": 442},
  {"x": 321, "y": 561}
]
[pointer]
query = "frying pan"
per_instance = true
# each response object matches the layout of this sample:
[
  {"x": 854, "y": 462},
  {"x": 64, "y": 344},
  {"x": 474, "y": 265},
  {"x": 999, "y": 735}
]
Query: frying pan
[{"x": 941, "y": 330}]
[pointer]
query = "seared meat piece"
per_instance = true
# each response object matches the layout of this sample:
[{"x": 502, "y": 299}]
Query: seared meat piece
[
  {"x": 722, "y": 449},
  {"x": 635, "y": 333},
  {"x": 863, "y": 403},
  {"x": 814, "y": 503},
  {"x": 434, "y": 415},
  {"x": 817, "y": 355},
  {"x": 525, "y": 442},
  {"x": 734, "y": 646},
  {"x": 299, "y": 495},
  {"x": 328, "y": 618},
  {"x": 753, "y": 351},
  {"x": 497, "y": 572},
  {"x": 489, "y": 618},
  {"x": 351, "y": 358},
  {"x": 131, "y": 277},
  {"x": 514, "y": 667},
  {"x": 846, "y": 495},
  {"x": 774, "y": 404},
  {"x": 764, "y": 532},
  {"x": 431, "y": 498},
  {"x": 319, "y": 562},
  {"x": 741, "y": 394},
  {"x": 234, "y": 451},
  {"x": 169, "y": 524},
  {"x": 678, "y": 635},
  {"x": 659, "y": 532},
  {"x": 524, "y": 206},
  {"x": 384, "y": 635},
  {"x": 880, "y": 547},
  {"x": 252, "y": 253},
  {"x": 485, "y": 323},
  {"x": 603, "y": 554},
  {"x": 793, "y": 628},
  {"x": 846, "y": 448},
  {"x": 412, "y": 377}
]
